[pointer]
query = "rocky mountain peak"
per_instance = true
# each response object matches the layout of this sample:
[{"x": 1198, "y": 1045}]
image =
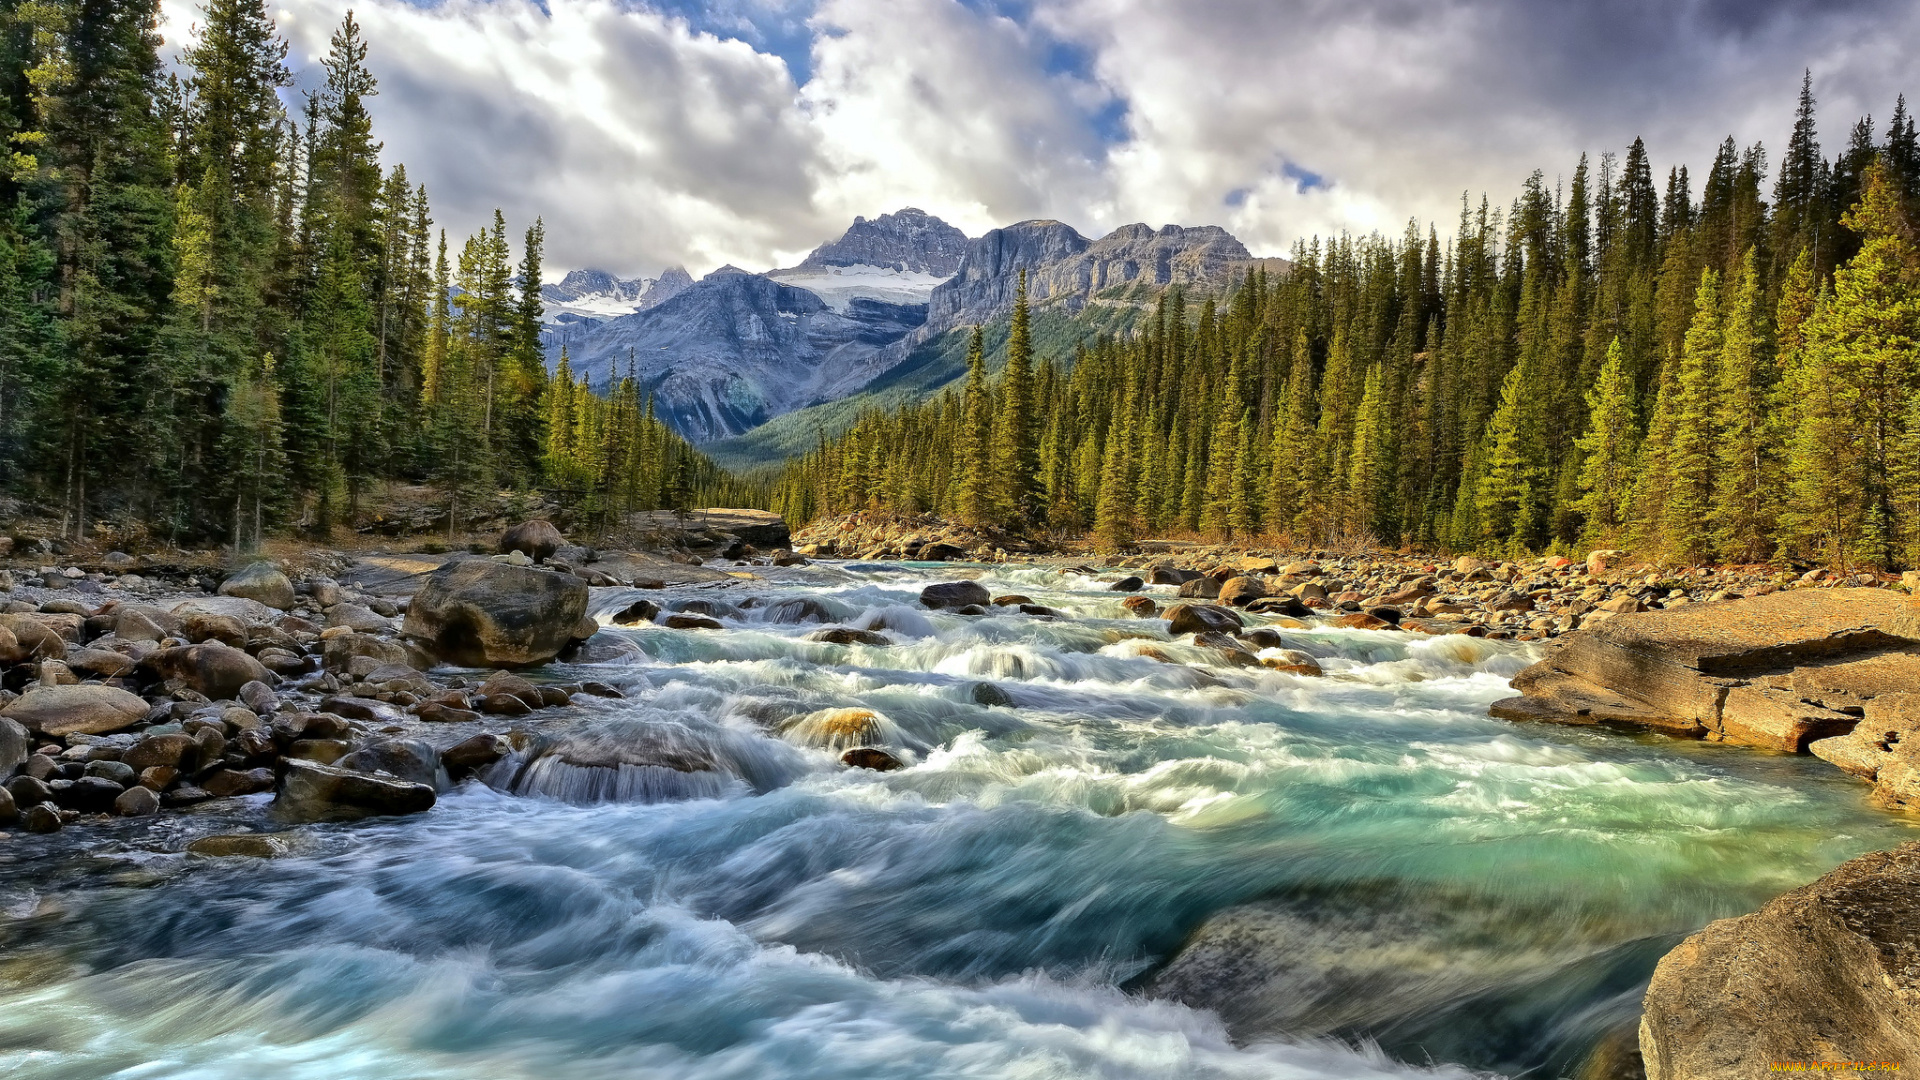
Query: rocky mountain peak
[{"x": 908, "y": 240}]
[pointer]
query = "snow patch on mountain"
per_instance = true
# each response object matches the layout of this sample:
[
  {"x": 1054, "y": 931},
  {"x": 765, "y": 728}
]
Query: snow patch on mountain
[{"x": 839, "y": 286}]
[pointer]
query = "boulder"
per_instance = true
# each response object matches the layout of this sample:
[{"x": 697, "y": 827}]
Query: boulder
[
  {"x": 358, "y": 618},
  {"x": 483, "y": 613},
  {"x": 798, "y": 609},
  {"x": 407, "y": 759},
  {"x": 691, "y": 622},
  {"x": 1200, "y": 588},
  {"x": 1824, "y": 973},
  {"x": 136, "y": 802},
  {"x": 33, "y": 639},
  {"x": 340, "y": 651},
  {"x": 636, "y": 613},
  {"x": 470, "y": 755},
  {"x": 537, "y": 539},
  {"x": 310, "y": 791},
  {"x": 99, "y": 663},
  {"x": 82, "y": 709},
  {"x": 262, "y": 582},
  {"x": 870, "y": 757},
  {"x": 940, "y": 553},
  {"x": 1777, "y": 671},
  {"x": 1127, "y": 584},
  {"x": 1280, "y": 605},
  {"x": 250, "y": 845},
  {"x": 1202, "y": 618},
  {"x": 1241, "y": 591},
  {"x": 250, "y": 612},
  {"x": 226, "y": 783},
  {"x": 1140, "y": 607},
  {"x": 224, "y": 629},
  {"x": 213, "y": 669},
  {"x": 955, "y": 594}
]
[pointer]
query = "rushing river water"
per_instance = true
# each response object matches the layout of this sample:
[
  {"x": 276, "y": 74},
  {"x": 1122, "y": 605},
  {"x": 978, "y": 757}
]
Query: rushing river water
[{"x": 1458, "y": 893}]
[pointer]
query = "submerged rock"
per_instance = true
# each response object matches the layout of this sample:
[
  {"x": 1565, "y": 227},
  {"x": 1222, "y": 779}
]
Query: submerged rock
[
  {"x": 846, "y": 635},
  {"x": 632, "y": 762},
  {"x": 1828, "y": 972}
]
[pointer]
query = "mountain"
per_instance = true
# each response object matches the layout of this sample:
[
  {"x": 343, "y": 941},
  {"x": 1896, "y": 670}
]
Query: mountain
[
  {"x": 898, "y": 258},
  {"x": 878, "y": 316},
  {"x": 908, "y": 240},
  {"x": 736, "y": 349}
]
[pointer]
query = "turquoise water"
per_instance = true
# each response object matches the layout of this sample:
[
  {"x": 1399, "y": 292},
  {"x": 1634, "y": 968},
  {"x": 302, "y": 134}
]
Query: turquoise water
[{"x": 998, "y": 908}]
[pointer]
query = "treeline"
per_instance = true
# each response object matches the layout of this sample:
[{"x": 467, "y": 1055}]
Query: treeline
[
  {"x": 219, "y": 315},
  {"x": 1604, "y": 363}
]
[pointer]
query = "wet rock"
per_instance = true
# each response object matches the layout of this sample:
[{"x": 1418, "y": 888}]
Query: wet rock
[
  {"x": 536, "y": 539},
  {"x": 259, "y": 697},
  {"x": 8, "y": 811},
  {"x": 1041, "y": 611},
  {"x": 483, "y": 613},
  {"x": 798, "y": 609},
  {"x": 471, "y": 755},
  {"x": 1884, "y": 749},
  {"x": 1201, "y": 618},
  {"x": 1127, "y": 584},
  {"x": 185, "y": 795},
  {"x": 324, "y": 751},
  {"x": 972, "y": 609},
  {"x": 87, "y": 708},
  {"x": 1756, "y": 671},
  {"x": 247, "y": 845},
  {"x": 1289, "y": 606},
  {"x": 263, "y": 583},
  {"x": 89, "y": 795},
  {"x": 1140, "y": 607},
  {"x": 1011, "y": 600},
  {"x": 357, "y": 708},
  {"x": 1825, "y": 972},
  {"x": 136, "y": 801},
  {"x": 691, "y": 622},
  {"x": 940, "y": 553},
  {"x": 436, "y": 713},
  {"x": 1230, "y": 649},
  {"x": 1386, "y": 614},
  {"x": 839, "y": 729},
  {"x": 986, "y": 693},
  {"x": 845, "y": 635},
  {"x": 640, "y": 611},
  {"x": 1293, "y": 662},
  {"x": 504, "y": 705},
  {"x": 212, "y": 669},
  {"x": 1360, "y": 620},
  {"x": 226, "y": 783},
  {"x": 1168, "y": 574},
  {"x": 870, "y": 757},
  {"x": 622, "y": 762},
  {"x": 955, "y": 594},
  {"x": 407, "y": 759},
  {"x": 41, "y": 818},
  {"x": 310, "y": 791}
]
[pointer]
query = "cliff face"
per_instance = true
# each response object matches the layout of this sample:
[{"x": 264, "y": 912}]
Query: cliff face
[
  {"x": 735, "y": 349},
  {"x": 983, "y": 285}
]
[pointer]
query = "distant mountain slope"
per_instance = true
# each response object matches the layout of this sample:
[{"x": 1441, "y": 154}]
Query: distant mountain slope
[{"x": 737, "y": 349}]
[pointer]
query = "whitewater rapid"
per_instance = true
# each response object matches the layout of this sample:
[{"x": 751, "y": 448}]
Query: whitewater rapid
[{"x": 999, "y": 907}]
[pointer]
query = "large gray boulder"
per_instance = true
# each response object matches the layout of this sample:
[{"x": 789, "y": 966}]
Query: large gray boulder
[
  {"x": 487, "y": 613},
  {"x": 213, "y": 669},
  {"x": 80, "y": 709},
  {"x": 262, "y": 582},
  {"x": 536, "y": 539},
  {"x": 1827, "y": 972}
]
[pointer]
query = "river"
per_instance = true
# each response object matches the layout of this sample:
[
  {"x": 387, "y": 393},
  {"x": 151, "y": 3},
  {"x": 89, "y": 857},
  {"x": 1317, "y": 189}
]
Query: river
[{"x": 1454, "y": 894}]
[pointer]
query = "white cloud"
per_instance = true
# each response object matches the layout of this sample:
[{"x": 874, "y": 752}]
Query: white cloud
[{"x": 645, "y": 142}]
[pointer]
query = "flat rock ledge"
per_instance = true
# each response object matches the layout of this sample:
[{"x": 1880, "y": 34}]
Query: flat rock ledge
[
  {"x": 1829, "y": 972},
  {"x": 1779, "y": 671}
]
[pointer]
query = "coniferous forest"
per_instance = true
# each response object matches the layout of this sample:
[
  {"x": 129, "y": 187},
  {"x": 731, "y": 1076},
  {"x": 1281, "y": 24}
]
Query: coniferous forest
[
  {"x": 221, "y": 315},
  {"x": 1725, "y": 375}
]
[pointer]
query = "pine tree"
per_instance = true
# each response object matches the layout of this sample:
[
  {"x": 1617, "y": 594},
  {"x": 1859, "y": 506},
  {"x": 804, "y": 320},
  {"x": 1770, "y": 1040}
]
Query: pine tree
[
  {"x": 1685, "y": 526},
  {"x": 1746, "y": 452},
  {"x": 1015, "y": 461},
  {"x": 1609, "y": 450}
]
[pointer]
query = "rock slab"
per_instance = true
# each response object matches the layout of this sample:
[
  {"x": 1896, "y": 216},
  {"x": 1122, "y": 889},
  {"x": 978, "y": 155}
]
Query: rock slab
[{"x": 1828, "y": 972}]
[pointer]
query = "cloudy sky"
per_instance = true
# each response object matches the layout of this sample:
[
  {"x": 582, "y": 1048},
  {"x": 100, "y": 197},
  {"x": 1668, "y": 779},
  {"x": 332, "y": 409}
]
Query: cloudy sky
[{"x": 653, "y": 132}]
